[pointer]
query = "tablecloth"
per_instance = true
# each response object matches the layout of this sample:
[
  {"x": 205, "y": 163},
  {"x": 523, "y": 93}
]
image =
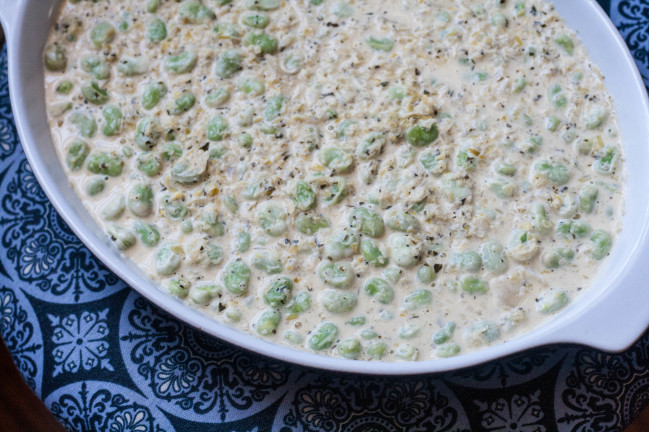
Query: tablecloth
[{"x": 102, "y": 358}]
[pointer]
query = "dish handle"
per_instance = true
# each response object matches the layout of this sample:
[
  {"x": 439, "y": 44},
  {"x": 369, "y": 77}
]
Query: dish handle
[{"x": 8, "y": 15}]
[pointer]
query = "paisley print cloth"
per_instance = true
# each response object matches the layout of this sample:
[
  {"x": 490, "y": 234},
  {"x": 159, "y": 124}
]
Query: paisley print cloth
[{"x": 103, "y": 358}]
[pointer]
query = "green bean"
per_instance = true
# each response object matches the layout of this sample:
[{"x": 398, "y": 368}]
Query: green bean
[
  {"x": 186, "y": 226},
  {"x": 380, "y": 44},
  {"x": 152, "y": 6},
  {"x": 399, "y": 220},
  {"x": 278, "y": 293},
  {"x": 372, "y": 253},
  {"x": 122, "y": 238},
  {"x": 251, "y": 86},
  {"x": 426, "y": 274},
  {"x": 157, "y": 31},
  {"x": 408, "y": 331},
  {"x": 77, "y": 154},
  {"x": 304, "y": 197},
  {"x": 323, "y": 336},
  {"x": 519, "y": 84},
  {"x": 271, "y": 218},
  {"x": 112, "y": 120},
  {"x": 214, "y": 254},
  {"x": 292, "y": 63},
  {"x": 379, "y": 290},
  {"x": 473, "y": 285},
  {"x": 466, "y": 261},
  {"x": 171, "y": 150},
  {"x": 131, "y": 66},
  {"x": 268, "y": 322},
  {"x": 503, "y": 188},
  {"x": 551, "y": 301},
  {"x": 148, "y": 133},
  {"x": 338, "y": 275},
  {"x": 95, "y": 66},
  {"x": 182, "y": 63},
  {"x": 523, "y": 246},
  {"x": 342, "y": 244},
  {"x": 268, "y": 262},
  {"x": 114, "y": 208},
  {"x": 580, "y": 229},
  {"x": 419, "y": 136},
  {"x": 493, "y": 257},
  {"x": 174, "y": 209},
  {"x": 584, "y": 146},
  {"x": 292, "y": 337},
  {"x": 233, "y": 314},
  {"x": 393, "y": 274},
  {"x": 236, "y": 277},
  {"x": 404, "y": 250},
  {"x": 568, "y": 206},
  {"x": 266, "y": 43},
  {"x": 152, "y": 94},
  {"x": 310, "y": 224},
  {"x": 194, "y": 12},
  {"x": 557, "y": 257},
  {"x": 182, "y": 103},
  {"x": 300, "y": 303},
  {"x": 499, "y": 20},
  {"x": 606, "y": 162},
  {"x": 556, "y": 173},
  {"x": 209, "y": 222},
  {"x": 242, "y": 242},
  {"x": 262, "y": 5},
  {"x": 504, "y": 168},
  {"x": 417, "y": 299},
  {"x": 179, "y": 287},
  {"x": 140, "y": 200},
  {"x": 216, "y": 128},
  {"x": 376, "y": 350},
  {"x": 431, "y": 163},
  {"x": 556, "y": 96},
  {"x": 64, "y": 87},
  {"x": 258, "y": 21},
  {"x": 336, "y": 301},
  {"x": 366, "y": 222},
  {"x": 84, "y": 122},
  {"x": 368, "y": 334},
  {"x": 444, "y": 334},
  {"x": 447, "y": 350},
  {"x": 336, "y": 191},
  {"x": 336, "y": 159},
  {"x": 533, "y": 144},
  {"x": 94, "y": 94},
  {"x": 455, "y": 188},
  {"x": 540, "y": 219},
  {"x": 95, "y": 186},
  {"x": 349, "y": 348},
  {"x": 217, "y": 98},
  {"x": 57, "y": 110},
  {"x": 588, "y": 198},
  {"x": 228, "y": 64},
  {"x": 105, "y": 163},
  {"x": 467, "y": 159},
  {"x": 274, "y": 107},
  {"x": 565, "y": 42},
  {"x": 342, "y": 10},
  {"x": 552, "y": 123},
  {"x": 148, "y": 233},
  {"x": 595, "y": 117},
  {"x": 371, "y": 146},
  {"x": 168, "y": 258},
  {"x": 203, "y": 294},
  {"x": 601, "y": 244},
  {"x": 102, "y": 34},
  {"x": 407, "y": 352},
  {"x": 357, "y": 321},
  {"x": 186, "y": 171},
  {"x": 226, "y": 30},
  {"x": 481, "y": 332},
  {"x": 54, "y": 58}
]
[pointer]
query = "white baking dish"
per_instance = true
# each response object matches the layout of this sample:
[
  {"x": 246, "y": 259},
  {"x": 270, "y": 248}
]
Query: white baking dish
[{"x": 610, "y": 315}]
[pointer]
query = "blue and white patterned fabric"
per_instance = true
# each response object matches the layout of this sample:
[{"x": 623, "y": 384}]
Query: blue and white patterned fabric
[{"x": 103, "y": 358}]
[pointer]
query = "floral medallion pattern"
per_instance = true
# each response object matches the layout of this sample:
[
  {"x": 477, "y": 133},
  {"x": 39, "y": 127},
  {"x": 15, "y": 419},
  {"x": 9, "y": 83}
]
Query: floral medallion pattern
[{"x": 103, "y": 358}]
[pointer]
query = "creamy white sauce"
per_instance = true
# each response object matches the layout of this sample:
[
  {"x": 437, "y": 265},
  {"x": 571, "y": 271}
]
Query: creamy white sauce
[{"x": 454, "y": 64}]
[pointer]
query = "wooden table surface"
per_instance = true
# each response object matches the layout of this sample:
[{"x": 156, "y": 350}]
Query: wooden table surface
[{"x": 22, "y": 411}]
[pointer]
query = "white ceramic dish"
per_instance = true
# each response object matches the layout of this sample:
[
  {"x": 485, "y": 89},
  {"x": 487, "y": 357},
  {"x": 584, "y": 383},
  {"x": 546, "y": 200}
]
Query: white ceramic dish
[{"x": 610, "y": 315}]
